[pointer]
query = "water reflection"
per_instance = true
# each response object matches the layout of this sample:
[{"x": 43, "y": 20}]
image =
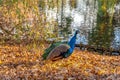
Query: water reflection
[
  {"x": 79, "y": 16},
  {"x": 116, "y": 41}
]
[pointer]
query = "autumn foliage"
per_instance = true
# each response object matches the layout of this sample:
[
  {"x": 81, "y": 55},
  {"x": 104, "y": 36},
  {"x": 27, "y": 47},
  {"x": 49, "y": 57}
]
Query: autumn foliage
[
  {"x": 23, "y": 22},
  {"x": 17, "y": 62}
]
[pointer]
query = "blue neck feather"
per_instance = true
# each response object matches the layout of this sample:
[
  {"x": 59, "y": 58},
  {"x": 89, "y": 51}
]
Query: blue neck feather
[{"x": 71, "y": 43}]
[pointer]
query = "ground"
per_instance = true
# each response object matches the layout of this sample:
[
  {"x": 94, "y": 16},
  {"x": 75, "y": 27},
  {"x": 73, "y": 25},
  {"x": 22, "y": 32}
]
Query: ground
[{"x": 19, "y": 63}]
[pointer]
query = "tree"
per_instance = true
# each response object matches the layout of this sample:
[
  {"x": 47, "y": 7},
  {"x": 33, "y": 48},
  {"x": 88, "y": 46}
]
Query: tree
[
  {"x": 102, "y": 35},
  {"x": 22, "y": 20}
]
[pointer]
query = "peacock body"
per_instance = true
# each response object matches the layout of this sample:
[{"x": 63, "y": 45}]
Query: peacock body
[
  {"x": 50, "y": 48},
  {"x": 60, "y": 49}
]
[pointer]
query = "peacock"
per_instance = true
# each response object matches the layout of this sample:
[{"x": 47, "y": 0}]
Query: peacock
[{"x": 59, "y": 50}]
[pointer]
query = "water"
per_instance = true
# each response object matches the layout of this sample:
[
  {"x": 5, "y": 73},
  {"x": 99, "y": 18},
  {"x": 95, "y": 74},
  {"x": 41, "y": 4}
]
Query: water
[
  {"x": 84, "y": 17},
  {"x": 116, "y": 41}
]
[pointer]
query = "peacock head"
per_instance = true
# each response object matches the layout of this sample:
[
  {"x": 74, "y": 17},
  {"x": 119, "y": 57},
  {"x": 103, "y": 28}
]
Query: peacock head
[{"x": 77, "y": 31}]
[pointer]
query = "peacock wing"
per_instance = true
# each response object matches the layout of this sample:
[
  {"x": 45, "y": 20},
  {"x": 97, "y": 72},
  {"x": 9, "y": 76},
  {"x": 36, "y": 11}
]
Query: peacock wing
[
  {"x": 50, "y": 48},
  {"x": 58, "y": 50}
]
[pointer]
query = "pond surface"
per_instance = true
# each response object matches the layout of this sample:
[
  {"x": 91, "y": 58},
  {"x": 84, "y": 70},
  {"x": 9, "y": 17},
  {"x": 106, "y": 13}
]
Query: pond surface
[
  {"x": 84, "y": 18},
  {"x": 114, "y": 44}
]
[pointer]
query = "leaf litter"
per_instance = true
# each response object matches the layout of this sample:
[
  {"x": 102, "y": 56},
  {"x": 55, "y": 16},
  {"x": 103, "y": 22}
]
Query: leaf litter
[{"x": 18, "y": 63}]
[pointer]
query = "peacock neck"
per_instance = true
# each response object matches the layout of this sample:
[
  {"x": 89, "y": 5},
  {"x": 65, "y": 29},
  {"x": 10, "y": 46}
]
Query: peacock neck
[{"x": 72, "y": 42}]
